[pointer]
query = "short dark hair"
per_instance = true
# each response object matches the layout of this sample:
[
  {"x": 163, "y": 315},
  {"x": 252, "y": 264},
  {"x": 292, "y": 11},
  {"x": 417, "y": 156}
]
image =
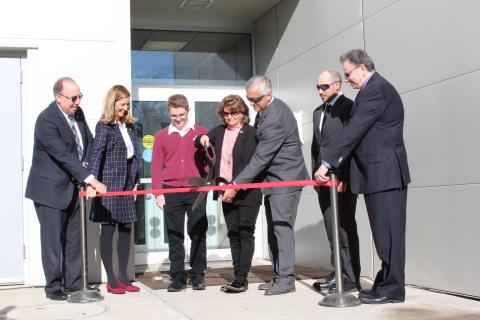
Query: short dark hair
[{"x": 358, "y": 57}]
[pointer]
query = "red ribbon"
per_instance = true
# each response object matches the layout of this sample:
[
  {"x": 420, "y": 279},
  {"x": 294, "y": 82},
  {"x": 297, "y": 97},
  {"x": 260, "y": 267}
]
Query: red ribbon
[{"x": 257, "y": 185}]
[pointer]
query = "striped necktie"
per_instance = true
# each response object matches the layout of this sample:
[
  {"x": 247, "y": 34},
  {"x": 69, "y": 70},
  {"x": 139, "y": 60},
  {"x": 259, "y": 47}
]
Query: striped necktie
[{"x": 71, "y": 121}]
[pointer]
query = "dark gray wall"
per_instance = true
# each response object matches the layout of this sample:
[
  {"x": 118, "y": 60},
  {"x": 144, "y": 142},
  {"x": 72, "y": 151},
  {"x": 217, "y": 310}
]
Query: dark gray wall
[{"x": 429, "y": 50}]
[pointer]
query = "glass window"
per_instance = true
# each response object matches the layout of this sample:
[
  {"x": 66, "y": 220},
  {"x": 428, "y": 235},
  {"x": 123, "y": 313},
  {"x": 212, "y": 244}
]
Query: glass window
[{"x": 186, "y": 58}]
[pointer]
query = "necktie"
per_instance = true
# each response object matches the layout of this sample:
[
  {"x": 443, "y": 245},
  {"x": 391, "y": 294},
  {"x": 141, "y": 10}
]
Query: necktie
[
  {"x": 326, "y": 113},
  {"x": 257, "y": 120},
  {"x": 71, "y": 121}
]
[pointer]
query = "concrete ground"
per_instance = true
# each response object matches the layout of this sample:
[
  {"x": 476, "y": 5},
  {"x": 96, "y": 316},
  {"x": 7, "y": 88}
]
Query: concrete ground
[{"x": 30, "y": 303}]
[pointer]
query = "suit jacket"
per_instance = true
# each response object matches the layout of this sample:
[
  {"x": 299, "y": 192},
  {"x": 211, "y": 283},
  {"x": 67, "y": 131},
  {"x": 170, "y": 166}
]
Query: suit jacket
[
  {"x": 374, "y": 137},
  {"x": 56, "y": 169},
  {"x": 331, "y": 128},
  {"x": 109, "y": 164},
  {"x": 278, "y": 156},
  {"x": 243, "y": 150}
]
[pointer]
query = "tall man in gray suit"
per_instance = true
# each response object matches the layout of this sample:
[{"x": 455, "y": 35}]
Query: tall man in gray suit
[
  {"x": 278, "y": 157},
  {"x": 329, "y": 119},
  {"x": 379, "y": 169},
  {"x": 61, "y": 150}
]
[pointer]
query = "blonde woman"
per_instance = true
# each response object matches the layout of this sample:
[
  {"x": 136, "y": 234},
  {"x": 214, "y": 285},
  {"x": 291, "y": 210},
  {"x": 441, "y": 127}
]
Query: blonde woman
[{"x": 114, "y": 162}]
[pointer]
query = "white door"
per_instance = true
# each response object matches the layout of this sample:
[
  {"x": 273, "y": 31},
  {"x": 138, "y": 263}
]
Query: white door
[
  {"x": 11, "y": 190},
  {"x": 150, "y": 107}
]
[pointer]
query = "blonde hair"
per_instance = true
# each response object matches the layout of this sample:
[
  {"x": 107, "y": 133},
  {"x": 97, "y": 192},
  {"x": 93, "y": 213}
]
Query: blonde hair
[{"x": 115, "y": 93}]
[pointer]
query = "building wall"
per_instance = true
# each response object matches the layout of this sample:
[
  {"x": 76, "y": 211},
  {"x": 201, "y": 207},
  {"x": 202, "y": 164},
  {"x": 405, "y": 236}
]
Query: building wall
[
  {"x": 88, "y": 41},
  {"x": 427, "y": 50}
]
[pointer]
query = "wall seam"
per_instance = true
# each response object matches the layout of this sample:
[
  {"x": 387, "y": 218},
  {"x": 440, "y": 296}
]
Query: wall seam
[
  {"x": 440, "y": 81},
  {"x": 313, "y": 47}
]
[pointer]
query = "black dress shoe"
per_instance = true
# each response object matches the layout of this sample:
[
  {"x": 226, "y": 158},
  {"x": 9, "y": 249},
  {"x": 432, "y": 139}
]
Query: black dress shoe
[
  {"x": 178, "y": 284},
  {"x": 57, "y": 295},
  {"x": 198, "y": 282},
  {"x": 375, "y": 298},
  {"x": 324, "y": 283},
  {"x": 348, "y": 286},
  {"x": 237, "y": 287}
]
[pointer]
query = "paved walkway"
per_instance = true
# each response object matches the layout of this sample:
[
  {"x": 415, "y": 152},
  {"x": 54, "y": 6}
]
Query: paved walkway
[{"x": 30, "y": 303}]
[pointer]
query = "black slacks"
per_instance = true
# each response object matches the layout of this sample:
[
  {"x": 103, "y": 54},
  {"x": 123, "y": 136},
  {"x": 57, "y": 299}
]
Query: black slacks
[
  {"x": 349, "y": 243},
  {"x": 387, "y": 216},
  {"x": 176, "y": 205},
  {"x": 240, "y": 222},
  {"x": 60, "y": 235}
]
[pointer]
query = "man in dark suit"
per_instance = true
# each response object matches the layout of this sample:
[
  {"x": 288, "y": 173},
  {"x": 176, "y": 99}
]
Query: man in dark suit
[
  {"x": 278, "y": 157},
  {"x": 62, "y": 146},
  {"x": 329, "y": 119},
  {"x": 379, "y": 169}
]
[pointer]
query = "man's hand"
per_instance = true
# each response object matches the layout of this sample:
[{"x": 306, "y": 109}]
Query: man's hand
[
  {"x": 91, "y": 193},
  {"x": 342, "y": 186},
  {"x": 229, "y": 195},
  {"x": 321, "y": 174},
  {"x": 205, "y": 141},
  {"x": 98, "y": 186},
  {"x": 160, "y": 200}
]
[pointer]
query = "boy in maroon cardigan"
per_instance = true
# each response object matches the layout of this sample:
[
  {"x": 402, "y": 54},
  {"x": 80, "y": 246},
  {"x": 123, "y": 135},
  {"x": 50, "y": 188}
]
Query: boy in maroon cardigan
[{"x": 174, "y": 160}]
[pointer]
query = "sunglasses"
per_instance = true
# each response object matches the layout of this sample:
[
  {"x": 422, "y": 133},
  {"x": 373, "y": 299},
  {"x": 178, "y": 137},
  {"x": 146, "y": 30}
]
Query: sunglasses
[
  {"x": 255, "y": 99},
  {"x": 347, "y": 74},
  {"x": 325, "y": 86},
  {"x": 233, "y": 113},
  {"x": 74, "y": 98}
]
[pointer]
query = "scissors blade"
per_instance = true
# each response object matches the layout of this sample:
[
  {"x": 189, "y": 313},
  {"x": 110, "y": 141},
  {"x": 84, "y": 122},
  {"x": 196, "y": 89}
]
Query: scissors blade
[{"x": 200, "y": 198}]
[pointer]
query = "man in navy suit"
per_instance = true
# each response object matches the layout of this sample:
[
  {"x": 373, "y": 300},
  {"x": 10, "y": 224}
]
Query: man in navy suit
[
  {"x": 62, "y": 147},
  {"x": 329, "y": 119},
  {"x": 379, "y": 169}
]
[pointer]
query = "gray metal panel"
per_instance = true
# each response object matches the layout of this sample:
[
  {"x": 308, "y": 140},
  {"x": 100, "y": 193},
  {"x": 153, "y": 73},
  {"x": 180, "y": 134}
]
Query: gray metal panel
[
  {"x": 298, "y": 76},
  {"x": 305, "y": 24},
  {"x": 312, "y": 248},
  {"x": 11, "y": 190},
  {"x": 265, "y": 30},
  {"x": 442, "y": 131},
  {"x": 416, "y": 43},
  {"x": 443, "y": 238}
]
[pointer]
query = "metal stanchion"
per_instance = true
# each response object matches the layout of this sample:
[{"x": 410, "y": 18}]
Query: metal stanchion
[
  {"x": 337, "y": 298},
  {"x": 85, "y": 294}
]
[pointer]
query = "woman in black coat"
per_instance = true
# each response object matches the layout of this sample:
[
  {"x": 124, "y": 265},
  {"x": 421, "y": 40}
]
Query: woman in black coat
[{"x": 235, "y": 143}]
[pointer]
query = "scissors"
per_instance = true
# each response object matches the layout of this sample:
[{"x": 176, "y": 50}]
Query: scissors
[{"x": 209, "y": 181}]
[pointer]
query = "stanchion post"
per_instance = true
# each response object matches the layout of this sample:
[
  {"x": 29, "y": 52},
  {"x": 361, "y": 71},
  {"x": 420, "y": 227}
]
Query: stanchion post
[
  {"x": 84, "y": 295},
  {"x": 339, "y": 298}
]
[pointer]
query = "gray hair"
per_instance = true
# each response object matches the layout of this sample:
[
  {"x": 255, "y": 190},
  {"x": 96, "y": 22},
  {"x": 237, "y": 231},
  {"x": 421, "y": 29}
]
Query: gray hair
[
  {"x": 358, "y": 57},
  {"x": 263, "y": 81},
  {"x": 58, "y": 86}
]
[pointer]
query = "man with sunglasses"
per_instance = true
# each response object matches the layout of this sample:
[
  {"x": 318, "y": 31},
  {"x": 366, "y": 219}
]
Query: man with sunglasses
[
  {"x": 379, "y": 169},
  {"x": 278, "y": 157},
  {"x": 329, "y": 119},
  {"x": 61, "y": 150}
]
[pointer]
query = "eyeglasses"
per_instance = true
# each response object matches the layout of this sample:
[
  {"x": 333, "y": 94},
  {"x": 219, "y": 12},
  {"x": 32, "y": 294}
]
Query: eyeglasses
[
  {"x": 74, "y": 98},
  {"x": 233, "y": 113},
  {"x": 255, "y": 99},
  {"x": 347, "y": 74},
  {"x": 325, "y": 86}
]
